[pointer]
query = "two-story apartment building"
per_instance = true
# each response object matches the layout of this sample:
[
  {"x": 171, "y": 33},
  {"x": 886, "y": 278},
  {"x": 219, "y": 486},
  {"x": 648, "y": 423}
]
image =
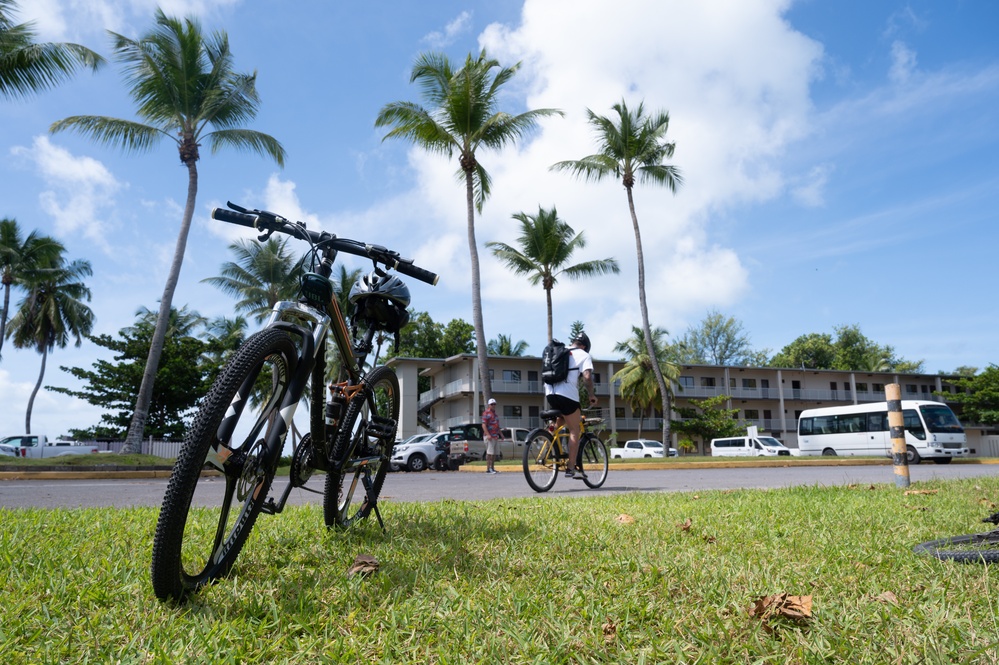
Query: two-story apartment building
[{"x": 769, "y": 398}]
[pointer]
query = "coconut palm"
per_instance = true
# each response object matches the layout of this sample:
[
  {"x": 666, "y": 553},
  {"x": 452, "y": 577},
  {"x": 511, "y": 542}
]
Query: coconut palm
[
  {"x": 633, "y": 148},
  {"x": 263, "y": 274},
  {"x": 20, "y": 259},
  {"x": 52, "y": 312},
  {"x": 503, "y": 346},
  {"x": 184, "y": 86},
  {"x": 462, "y": 118},
  {"x": 639, "y": 386},
  {"x": 27, "y": 67},
  {"x": 546, "y": 245}
]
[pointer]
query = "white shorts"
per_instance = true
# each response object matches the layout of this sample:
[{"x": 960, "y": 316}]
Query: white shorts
[{"x": 491, "y": 445}]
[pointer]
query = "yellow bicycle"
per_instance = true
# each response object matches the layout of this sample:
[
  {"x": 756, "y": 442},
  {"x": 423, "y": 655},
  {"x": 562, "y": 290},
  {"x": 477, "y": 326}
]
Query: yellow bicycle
[{"x": 547, "y": 452}]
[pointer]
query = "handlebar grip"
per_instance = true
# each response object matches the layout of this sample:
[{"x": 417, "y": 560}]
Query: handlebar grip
[
  {"x": 233, "y": 217},
  {"x": 417, "y": 272}
]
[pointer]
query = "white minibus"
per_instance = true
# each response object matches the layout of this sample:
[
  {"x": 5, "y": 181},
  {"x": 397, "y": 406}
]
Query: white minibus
[
  {"x": 932, "y": 431},
  {"x": 748, "y": 446}
]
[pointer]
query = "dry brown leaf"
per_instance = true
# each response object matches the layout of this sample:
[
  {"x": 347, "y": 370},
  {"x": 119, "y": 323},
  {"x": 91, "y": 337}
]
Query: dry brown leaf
[
  {"x": 696, "y": 497},
  {"x": 685, "y": 525},
  {"x": 909, "y": 492},
  {"x": 610, "y": 630},
  {"x": 887, "y": 597},
  {"x": 796, "y": 609},
  {"x": 364, "y": 564},
  {"x": 709, "y": 539},
  {"x": 625, "y": 519},
  {"x": 872, "y": 487}
]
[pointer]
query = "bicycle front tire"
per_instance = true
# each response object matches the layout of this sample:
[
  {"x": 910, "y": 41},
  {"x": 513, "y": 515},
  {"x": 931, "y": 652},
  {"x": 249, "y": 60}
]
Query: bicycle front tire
[
  {"x": 540, "y": 460},
  {"x": 593, "y": 459},
  {"x": 971, "y": 548},
  {"x": 362, "y": 450},
  {"x": 196, "y": 544}
]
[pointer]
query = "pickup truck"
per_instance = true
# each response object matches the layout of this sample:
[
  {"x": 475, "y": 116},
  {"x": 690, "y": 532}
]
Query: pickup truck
[
  {"x": 470, "y": 437},
  {"x": 38, "y": 446},
  {"x": 641, "y": 448}
]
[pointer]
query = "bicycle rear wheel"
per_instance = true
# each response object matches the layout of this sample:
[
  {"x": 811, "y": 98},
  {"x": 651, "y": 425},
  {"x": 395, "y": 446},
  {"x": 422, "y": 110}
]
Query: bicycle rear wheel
[
  {"x": 593, "y": 459},
  {"x": 540, "y": 461},
  {"x": 972, "y": 548},
  {"x": 362, "y": 450},
  {"x": 225, "y": 467}
]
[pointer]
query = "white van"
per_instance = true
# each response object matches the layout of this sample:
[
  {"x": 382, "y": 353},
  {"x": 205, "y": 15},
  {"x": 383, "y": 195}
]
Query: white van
[{"x": 748, "y": 446}]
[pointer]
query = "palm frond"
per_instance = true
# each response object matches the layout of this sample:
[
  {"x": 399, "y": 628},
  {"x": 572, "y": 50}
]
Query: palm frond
[{"x": 126, "y": 134}]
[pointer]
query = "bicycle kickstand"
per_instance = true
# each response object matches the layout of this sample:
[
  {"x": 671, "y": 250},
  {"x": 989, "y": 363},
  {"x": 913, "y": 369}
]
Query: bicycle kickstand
[{"x": 366, "y": 481}]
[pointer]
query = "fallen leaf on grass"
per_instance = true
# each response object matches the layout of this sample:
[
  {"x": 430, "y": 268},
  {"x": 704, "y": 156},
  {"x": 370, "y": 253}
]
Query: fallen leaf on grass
[
  {"x": 364, "y": 564},
  {"x": 908, "y": 492},
  {"x": 685, "y": 525},
  {"x": 610, "y": 630},
  {"x": 887, "y": 597},
  {"x": 782, "y": 606},
  {"x": 709, "y": 539},
  {"x": 625, "y": 519}
]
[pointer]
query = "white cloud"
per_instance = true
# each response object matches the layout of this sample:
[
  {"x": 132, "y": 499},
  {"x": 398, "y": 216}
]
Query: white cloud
[
  {"x": 460, "y": 25},
  {"x": 810, "y": 191},
  {"x": 903, "y": 62},
  {"x": 85, "y": 20},
  {"x": 82, "y": 195}
]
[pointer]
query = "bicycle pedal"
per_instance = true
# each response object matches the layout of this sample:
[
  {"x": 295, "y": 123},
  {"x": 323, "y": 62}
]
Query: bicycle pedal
[{"x": 381, "y": 428}]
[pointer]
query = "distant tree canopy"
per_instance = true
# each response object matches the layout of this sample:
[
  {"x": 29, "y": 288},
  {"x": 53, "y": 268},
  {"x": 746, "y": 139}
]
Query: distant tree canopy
[
  {"x": 849, "y": 350},
  {"x": 708, "y": 419},
  {"x": 423, "y": 337},
  {"x": 981, "y": 404},
  {"x": 718, "y": 341}
]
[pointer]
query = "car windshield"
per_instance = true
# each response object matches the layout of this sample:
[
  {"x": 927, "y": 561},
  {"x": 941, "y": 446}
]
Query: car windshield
[
  {"x": 653, "y": 444},
  {"x": 770, "y": 441},
  {"x": 940, "y": 419}
]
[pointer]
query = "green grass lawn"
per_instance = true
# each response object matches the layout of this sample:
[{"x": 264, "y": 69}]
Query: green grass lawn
[{"x": 634, "y": 578}]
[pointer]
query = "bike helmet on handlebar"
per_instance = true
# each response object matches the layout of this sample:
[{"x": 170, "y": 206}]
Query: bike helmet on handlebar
[{"x": 380, "y": 302}]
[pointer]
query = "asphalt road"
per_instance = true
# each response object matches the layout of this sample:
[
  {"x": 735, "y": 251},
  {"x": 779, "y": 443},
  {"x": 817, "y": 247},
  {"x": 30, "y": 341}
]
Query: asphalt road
[{"x": 468, "y": 485}]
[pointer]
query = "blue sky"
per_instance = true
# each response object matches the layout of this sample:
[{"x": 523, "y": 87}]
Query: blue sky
[{"x": 839, "y": 165}]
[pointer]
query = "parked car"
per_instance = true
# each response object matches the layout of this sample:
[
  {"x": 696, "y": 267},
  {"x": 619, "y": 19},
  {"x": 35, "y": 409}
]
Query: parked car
[
  {"x": 511, "y": 447},
  {"x": 422, "y": 453},
  {"x": 38, "y": 446},
  {"x": 748, "y": 446},
  {"x": 416, "y": 438},
  {"x": 642, "y": 448}
]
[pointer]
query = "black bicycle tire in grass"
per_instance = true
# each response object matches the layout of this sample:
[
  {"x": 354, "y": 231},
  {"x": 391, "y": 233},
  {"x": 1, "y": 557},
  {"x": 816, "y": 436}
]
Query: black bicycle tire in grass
[
  {"x": 188, "y": 551},
  {"x": 540, "y": 463},
  {"x": 362, "y": 450},
  {"x": 971, "y": 548}
]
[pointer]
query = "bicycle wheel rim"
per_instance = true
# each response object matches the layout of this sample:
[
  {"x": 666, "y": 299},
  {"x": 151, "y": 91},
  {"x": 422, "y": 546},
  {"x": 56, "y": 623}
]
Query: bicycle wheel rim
[
  {"x": 362, "y": 451},
  {"x": 593, "y": 457},
  {"x": 971, "y": 548},
  {"x": 225, "y": 468},
  {"x": 540, "y": 463}
]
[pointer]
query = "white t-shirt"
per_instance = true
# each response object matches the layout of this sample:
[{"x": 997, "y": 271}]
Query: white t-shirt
[{"x": 579, "y": 361}]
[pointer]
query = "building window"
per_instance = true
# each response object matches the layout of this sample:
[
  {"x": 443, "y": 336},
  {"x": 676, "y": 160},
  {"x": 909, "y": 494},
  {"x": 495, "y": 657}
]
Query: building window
[
  {"x": 596, "y": 377},
  {"x": 910, "y": 388},
  {"x": 511, "y": 375},
  {"x": 707, "y": 382},
  {"x": 752, "y": 414},
  {"x": 731, "y": 382},
  {"x": 878, "y": 387},
  {"x": 767, "y": 415},
  {"x": 619, "y": 412},
  {"x": 532, "y": 376},
  {"x": 925, "y": 389},
  {"x": 687, "y": 381},
  {"x": 764, "y": 383},
  {"x": 513, "y": 411},
  {"x": 861, "y": 387},
  {"x": 749, "y": 384}
]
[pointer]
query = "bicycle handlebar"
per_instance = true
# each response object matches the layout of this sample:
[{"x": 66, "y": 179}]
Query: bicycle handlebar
[{"x": 269, "y": 222}]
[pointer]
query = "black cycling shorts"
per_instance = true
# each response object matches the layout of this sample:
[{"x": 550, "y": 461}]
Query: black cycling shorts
[{"x": 563, "y": 405}]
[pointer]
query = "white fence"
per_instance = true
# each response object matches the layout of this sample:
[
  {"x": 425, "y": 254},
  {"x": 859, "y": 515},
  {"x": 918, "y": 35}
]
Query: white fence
[{"x": 167, "y": 449}]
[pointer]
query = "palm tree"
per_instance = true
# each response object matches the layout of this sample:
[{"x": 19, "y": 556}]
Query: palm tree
[
  {"x": 183, "y": 83},
  {"x": 52, "y": 312},
  {"x": 638, "y": 385},
  {"x": 546, "y": 243},
  {"x": 262, "y": 275},
  {"x": 633, "y": 148},
  {"x": 20, "y": 259},
  {"x": 462, "y": 118},
  {"x": 27, "y": 67},
  {"x": 503, "y": 346}
]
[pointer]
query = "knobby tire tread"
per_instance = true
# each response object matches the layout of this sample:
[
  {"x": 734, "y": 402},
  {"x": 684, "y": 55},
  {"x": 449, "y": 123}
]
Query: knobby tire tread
[
  {"x": 169, "y": 579},
  {"x": 531, "y": 459},
  {"x": 976, "y": 548}
]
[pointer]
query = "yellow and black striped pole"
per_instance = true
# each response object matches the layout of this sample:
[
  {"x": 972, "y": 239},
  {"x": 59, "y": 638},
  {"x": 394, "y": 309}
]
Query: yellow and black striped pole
[{"x": 896, "y": 427}]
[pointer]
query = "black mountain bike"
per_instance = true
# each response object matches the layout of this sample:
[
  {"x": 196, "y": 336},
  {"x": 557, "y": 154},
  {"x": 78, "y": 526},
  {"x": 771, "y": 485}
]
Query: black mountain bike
[
  {"x": 223, "y": 474},
  {"x": 970, "y": 548}
]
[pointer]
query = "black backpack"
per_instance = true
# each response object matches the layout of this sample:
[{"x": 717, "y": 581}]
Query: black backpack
[{"x": 555, "y": 363}]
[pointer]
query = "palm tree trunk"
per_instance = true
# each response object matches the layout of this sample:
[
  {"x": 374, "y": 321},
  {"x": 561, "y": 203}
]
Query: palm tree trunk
[
  {"x": 3, "y": 316},
  {"x": 480, "y": 332},
  {"x": 548, "y": 298},
  {"x": 136, "y": 429},
  {"x": 31, "y": 400},
  {"x": 649, "y": 345}
]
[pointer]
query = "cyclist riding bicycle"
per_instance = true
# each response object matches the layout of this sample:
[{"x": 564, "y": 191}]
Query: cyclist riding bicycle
[{"x": 564, "y": 397}]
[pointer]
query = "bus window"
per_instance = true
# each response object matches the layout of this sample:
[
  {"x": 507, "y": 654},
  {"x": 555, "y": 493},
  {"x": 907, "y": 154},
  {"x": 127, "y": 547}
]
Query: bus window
[
  {"x": 940, "y": 419},
  {"x": 877, "y": 422},
  {"x": 913, "y": 425},
  {"x": 805, "y": 426},
  {"x": 851, "y": 423},
  {"x": 824, "y": 424}
]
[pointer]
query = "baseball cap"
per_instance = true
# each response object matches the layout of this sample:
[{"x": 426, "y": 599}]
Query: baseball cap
[{"x": 492, "y": 401}]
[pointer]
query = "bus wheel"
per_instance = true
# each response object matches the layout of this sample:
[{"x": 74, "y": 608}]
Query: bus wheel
[
  {"x": 911, "y": 455},
  {"x": 829, "y": 452}
]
